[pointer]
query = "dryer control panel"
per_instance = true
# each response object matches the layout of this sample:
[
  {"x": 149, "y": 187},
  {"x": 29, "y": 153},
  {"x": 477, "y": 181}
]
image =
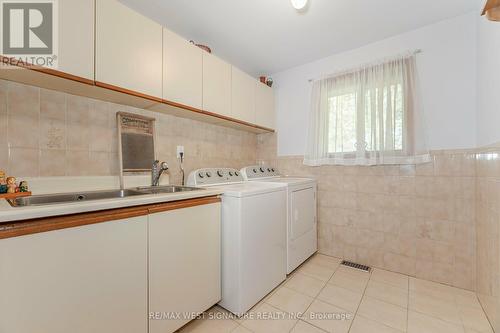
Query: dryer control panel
[
  {"x": 214, "y": 176},
  {"x": 259, "y": 171}
]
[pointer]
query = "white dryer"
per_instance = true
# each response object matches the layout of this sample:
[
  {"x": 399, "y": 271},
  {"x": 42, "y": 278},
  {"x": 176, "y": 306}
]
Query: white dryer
[
  {"x": 253, "y": 236},
  {"x": 302, "y": 234}
]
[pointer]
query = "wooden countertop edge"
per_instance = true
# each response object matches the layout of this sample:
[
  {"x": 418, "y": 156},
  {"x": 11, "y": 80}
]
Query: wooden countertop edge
[
  {"x": 39, "y": 225},
  {"x": 163, "y": 207}
]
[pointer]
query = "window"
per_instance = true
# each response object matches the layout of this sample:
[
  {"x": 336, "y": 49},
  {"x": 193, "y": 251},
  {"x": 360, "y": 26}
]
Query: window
[
  {"x": 344, "y": 127},
  {"x": 367, "y": 117}
]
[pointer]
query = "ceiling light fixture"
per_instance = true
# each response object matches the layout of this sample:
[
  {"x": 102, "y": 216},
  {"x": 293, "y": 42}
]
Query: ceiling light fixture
[{"x": 299, "y": 4}]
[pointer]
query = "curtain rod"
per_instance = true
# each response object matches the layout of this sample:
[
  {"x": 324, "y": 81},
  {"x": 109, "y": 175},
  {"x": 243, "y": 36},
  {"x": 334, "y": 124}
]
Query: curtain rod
[{"x": 415, "y": 52}]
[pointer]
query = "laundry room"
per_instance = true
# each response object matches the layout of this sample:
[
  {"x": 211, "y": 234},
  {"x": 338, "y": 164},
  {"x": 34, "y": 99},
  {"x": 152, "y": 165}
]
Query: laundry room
[{"x": 299, "y": 166}]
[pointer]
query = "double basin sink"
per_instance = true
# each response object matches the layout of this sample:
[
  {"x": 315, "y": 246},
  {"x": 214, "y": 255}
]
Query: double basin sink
[{"x": 51, "y": 199}]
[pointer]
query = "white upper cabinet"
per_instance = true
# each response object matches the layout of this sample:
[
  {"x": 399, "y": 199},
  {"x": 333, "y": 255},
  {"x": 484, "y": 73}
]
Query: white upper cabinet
[
  {"x": 128, "y": 49},
  {"x": 182, "y": 70},
  {"x": 242, "y": 96},
  {"x": 216, "y": 85},
  {"x": 265, "y": 115},
  {"x": 76, "y": 38}
]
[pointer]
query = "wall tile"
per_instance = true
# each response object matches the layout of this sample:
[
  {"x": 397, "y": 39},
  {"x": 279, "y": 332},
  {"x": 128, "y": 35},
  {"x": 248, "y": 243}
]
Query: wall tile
[
  {"x": 99, "y": 114},
  {"x": 114, "y": 165},
  {"x": 3, "y": 128},
  {"x": 77, "y": 137},
  {"x": 426, "y": 169},
  {"x": 3, "y": 96},
  {"x": 487, "y": 250},
  {"x": 77, "y": 163},
  {"x": 52, "y": 163},
  {"x": 99, "y": 164},
  {"x": 100, "y": 138},
  {"x": 23, "y": 131},
  {"x": 24, "y": 162},
  {"x": 52, "y": 134},
  {"x": 52, "y": 105},
  {"x": 4, "y": 157},
  {"x": 447, "y": 165},
  {"x": 400, "y": 264},
  {"x": 439, "y": 230},
  {"x": 23, "y": 100},
  {"x": 417, "y": 220},
  {"x": 407, "y": 170},
  {"x": 77, "y": 110}
]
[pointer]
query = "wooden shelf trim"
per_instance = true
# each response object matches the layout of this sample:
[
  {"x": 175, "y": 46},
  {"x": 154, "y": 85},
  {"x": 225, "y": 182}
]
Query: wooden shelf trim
[
  {"x": 127, "y": 91},
  {"x": 13, "y": 62},
  {"x": 215, "y": 115},
  {"x": 34, "y": 226}
]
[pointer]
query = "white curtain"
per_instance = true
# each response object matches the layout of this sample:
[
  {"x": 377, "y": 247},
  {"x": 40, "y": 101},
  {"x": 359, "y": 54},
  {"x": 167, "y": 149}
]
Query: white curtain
[{"x": 368, "y": 116}]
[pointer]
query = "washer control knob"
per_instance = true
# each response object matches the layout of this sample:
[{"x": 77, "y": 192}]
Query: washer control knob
[
  {"x": 209, "y": 174},
  {"x": 231, "y": 173},
  {"x": 220, "y": 173},
  {"x": 268, "y": 169},
  {"x": 261, "y": 169},
  {"x": 254, "y": 170},
  {"x": 272, "y": 169},
  {"x": 201, "y": 175},
  {"x": 236, "y": 173}
]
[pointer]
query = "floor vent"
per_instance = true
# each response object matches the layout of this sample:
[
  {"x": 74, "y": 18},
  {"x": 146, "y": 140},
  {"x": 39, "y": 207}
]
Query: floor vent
[{"x": 356, "y": 266}]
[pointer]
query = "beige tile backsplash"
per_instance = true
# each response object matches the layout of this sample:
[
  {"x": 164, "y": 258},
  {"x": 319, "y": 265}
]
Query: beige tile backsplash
[
  {"x": 47, "y": 133},
  {"x": 417, "y": 220},
  {"x": 488, "y": 236}
]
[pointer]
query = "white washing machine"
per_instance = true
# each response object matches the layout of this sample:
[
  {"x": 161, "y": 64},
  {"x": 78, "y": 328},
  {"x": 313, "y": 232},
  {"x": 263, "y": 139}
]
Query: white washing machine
[
  {"x": 302, "y": 234},
  {"x": 253, "y": 236}
]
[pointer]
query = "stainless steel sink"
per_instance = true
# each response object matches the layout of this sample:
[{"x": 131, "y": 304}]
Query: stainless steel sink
[
  {"x": 165, "y": 189},
  {"x": 51, "y": 199}
]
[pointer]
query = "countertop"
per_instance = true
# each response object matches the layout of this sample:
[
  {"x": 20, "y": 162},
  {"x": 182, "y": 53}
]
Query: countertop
[{"x": 10, "y": 214}]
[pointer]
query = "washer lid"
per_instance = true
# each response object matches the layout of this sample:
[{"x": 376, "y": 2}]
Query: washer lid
[{"x": 250, "y": 189}]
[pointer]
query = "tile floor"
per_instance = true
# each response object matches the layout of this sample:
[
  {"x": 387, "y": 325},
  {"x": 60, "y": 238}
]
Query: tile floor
[{"x": 322, "y": 296}]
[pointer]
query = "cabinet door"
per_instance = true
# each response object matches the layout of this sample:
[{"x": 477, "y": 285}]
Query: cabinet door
[
  {"x": 303, "y": 212},
  {"x": 243, "y": 96},
  {"x": 216, "y": 85},
  {"x": 129, "y": 49},
  {"x": 80, "y": 280},
  {"x": 184, "y": 264},
  {"x": 182, "y": 70},
  {"x": 264, "y": 106},
  {"x": 76, "y": 37}
]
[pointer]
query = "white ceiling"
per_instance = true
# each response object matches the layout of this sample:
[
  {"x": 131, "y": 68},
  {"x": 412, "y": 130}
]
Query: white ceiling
[{"x": 268, "y": 36}]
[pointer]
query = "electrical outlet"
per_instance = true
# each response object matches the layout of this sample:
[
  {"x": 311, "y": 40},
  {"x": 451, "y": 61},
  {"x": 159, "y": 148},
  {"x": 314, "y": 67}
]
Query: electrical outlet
[{"x": 180, "y": 150}]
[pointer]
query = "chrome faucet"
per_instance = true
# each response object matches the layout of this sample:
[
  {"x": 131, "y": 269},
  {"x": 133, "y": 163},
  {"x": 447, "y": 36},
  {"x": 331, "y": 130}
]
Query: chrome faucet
[{"x": 156, "y": 171}]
